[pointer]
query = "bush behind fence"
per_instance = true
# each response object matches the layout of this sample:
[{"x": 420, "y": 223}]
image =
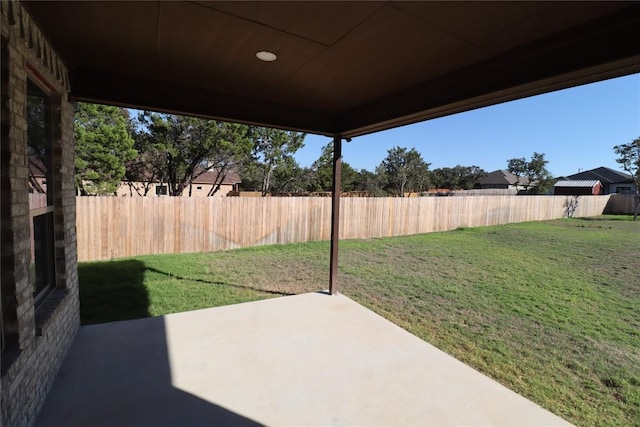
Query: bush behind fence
[{"x": 113, "y": 227}]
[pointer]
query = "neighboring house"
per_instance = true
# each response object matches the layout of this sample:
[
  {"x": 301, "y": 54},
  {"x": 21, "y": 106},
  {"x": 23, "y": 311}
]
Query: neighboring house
[
  {"x": 503, "y": 179},
  {"x": 577, "y": 187},
  {"x": 207, "y": 184},
  {"x": 612, "y": 180}
]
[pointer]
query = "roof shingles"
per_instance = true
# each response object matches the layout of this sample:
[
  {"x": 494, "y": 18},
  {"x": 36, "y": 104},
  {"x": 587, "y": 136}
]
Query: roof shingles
[{"x": 603, "y": 174}]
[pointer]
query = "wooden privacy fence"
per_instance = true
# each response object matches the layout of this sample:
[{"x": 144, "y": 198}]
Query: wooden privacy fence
[
  {"x": 620, "y": 204},
  {"x": 112, "y": 227}
]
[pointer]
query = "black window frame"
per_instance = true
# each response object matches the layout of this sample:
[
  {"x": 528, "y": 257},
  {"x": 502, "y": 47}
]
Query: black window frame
[{"x": 42, "y": 272}]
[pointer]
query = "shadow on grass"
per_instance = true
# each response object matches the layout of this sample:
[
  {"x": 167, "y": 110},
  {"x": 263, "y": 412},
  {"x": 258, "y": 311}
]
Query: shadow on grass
[
  {"x": 115, "y": 290},
  {"x": 111, "y": 291},
  {"x": 210, "y": 282},
  {"x": 621, "y": 217}
]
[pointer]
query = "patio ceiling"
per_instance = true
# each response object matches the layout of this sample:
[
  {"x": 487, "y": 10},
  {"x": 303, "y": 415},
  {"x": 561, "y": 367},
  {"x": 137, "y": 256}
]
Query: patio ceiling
[{"x": 343, "y": 68}]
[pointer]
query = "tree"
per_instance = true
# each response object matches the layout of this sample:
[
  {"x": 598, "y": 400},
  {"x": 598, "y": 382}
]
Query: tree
[
  {"x": 286, "y": 177},
  {"x": 403, "y": 171},
  {"x": 322, "y": 173},
  {"x": 629, "y": 158},
  {"x": 178, "y": 149},
  {"x": 103, "y": 147},
  {"x": 146, "y": 169},
  {"x": 469, "y": 176},
  {"x": 289, "y": 177},
  {"x": 273, "y": 149},
  {"x": 458, "y": 177},
  {"x": 538, "y": 178},
  {"x": 370, "y": 182},
  {"x": 518, "y": 167}
]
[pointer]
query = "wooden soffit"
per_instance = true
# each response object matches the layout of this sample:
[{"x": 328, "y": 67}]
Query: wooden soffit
[{"x": 346, "y": 68}]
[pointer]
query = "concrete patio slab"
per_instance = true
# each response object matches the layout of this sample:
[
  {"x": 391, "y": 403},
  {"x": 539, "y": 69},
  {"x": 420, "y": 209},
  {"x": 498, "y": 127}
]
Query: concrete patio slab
[{"x": 309, "y": 359}]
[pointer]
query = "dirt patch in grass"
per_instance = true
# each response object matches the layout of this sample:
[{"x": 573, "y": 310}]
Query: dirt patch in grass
[{"x": 276, "y": 268}]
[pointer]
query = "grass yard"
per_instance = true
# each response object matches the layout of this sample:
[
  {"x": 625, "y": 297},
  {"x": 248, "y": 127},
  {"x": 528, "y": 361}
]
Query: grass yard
[{"x": 549, "y": 309}]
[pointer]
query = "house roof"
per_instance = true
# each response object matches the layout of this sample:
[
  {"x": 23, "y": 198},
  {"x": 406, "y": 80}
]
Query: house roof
[
  {"x": 503, "y": 177},
  {"x": 605, "y": 175},
  {"x": 343, "y": 68},
  {"x": 575, "y": 183},
  {"x": 211, "y": 177}
]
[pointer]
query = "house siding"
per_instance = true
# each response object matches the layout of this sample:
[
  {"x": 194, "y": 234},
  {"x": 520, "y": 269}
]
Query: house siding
[
  {"x": 624, "y": 188},
  {"x": 36, "y": 341},
  {"x": 136, "y": 189},
  {"x": 576, "y": 191}
]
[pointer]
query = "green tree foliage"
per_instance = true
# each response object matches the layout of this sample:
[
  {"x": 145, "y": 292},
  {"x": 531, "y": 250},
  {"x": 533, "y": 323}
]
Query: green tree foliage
[
  {"x": 629, "y": 158},
  {"x": 518, "y": 167},
  {"x": 540, "y": 178},
  {"x": 177, "y": 149},
  {"x": 286, "y": 177},
  {"x": 322, "y": 173},
  {"x": 289, "y": 177},
  {"x": 370, "y": 182},
  {"x": 104, "y": 145},
  {"x": 273, "y": 151},
  {"x": 403, "y": 171},
  {"x": 532, "y": 174},
  {"x": 457, "y": 177},
  {"x": 147, "y": 168}
]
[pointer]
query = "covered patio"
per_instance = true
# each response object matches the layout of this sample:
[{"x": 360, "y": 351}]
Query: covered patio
[
  {"x": 340, "y": 69},
  {"x": 309, "y": 359}
]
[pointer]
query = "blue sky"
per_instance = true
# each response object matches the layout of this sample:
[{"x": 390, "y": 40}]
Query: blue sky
[{"x": 576, "y": 129}]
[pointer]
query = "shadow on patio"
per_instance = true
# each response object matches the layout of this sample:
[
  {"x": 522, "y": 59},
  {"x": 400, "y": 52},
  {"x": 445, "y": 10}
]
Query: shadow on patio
[
  {"x": 309, "y": 359},
  {"x": 119, "y": 373}
]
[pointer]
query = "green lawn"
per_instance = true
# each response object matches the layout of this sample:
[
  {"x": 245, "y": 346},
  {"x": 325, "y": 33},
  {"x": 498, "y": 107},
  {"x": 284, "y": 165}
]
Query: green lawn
[{"x": 550, "y": 309}]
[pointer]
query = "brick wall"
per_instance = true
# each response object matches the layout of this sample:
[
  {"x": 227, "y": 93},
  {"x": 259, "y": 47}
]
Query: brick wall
[{"x": 35, "y": 341}]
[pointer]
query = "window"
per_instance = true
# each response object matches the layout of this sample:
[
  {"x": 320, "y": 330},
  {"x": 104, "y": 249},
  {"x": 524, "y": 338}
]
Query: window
[
  {"x": 161, "y": 190},
  {"x": 199, "y": 187},
  {"x": 39, "y": 152},
  {"x": 623, "y": 189}
]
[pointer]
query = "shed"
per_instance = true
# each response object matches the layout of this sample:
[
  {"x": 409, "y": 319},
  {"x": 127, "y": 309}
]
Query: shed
[
  {"x": 612, "y": 181},
  {"x": 578, "y": 188}
]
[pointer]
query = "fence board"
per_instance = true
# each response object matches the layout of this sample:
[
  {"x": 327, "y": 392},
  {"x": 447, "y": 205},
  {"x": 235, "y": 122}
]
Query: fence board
[
  {"x": 110, "y": 227},
  {"x": 621, "y": 204}
]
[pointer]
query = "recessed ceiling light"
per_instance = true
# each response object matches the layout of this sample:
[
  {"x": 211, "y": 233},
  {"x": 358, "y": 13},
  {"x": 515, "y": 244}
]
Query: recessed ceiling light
[{"x": 265, "y": 55}]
